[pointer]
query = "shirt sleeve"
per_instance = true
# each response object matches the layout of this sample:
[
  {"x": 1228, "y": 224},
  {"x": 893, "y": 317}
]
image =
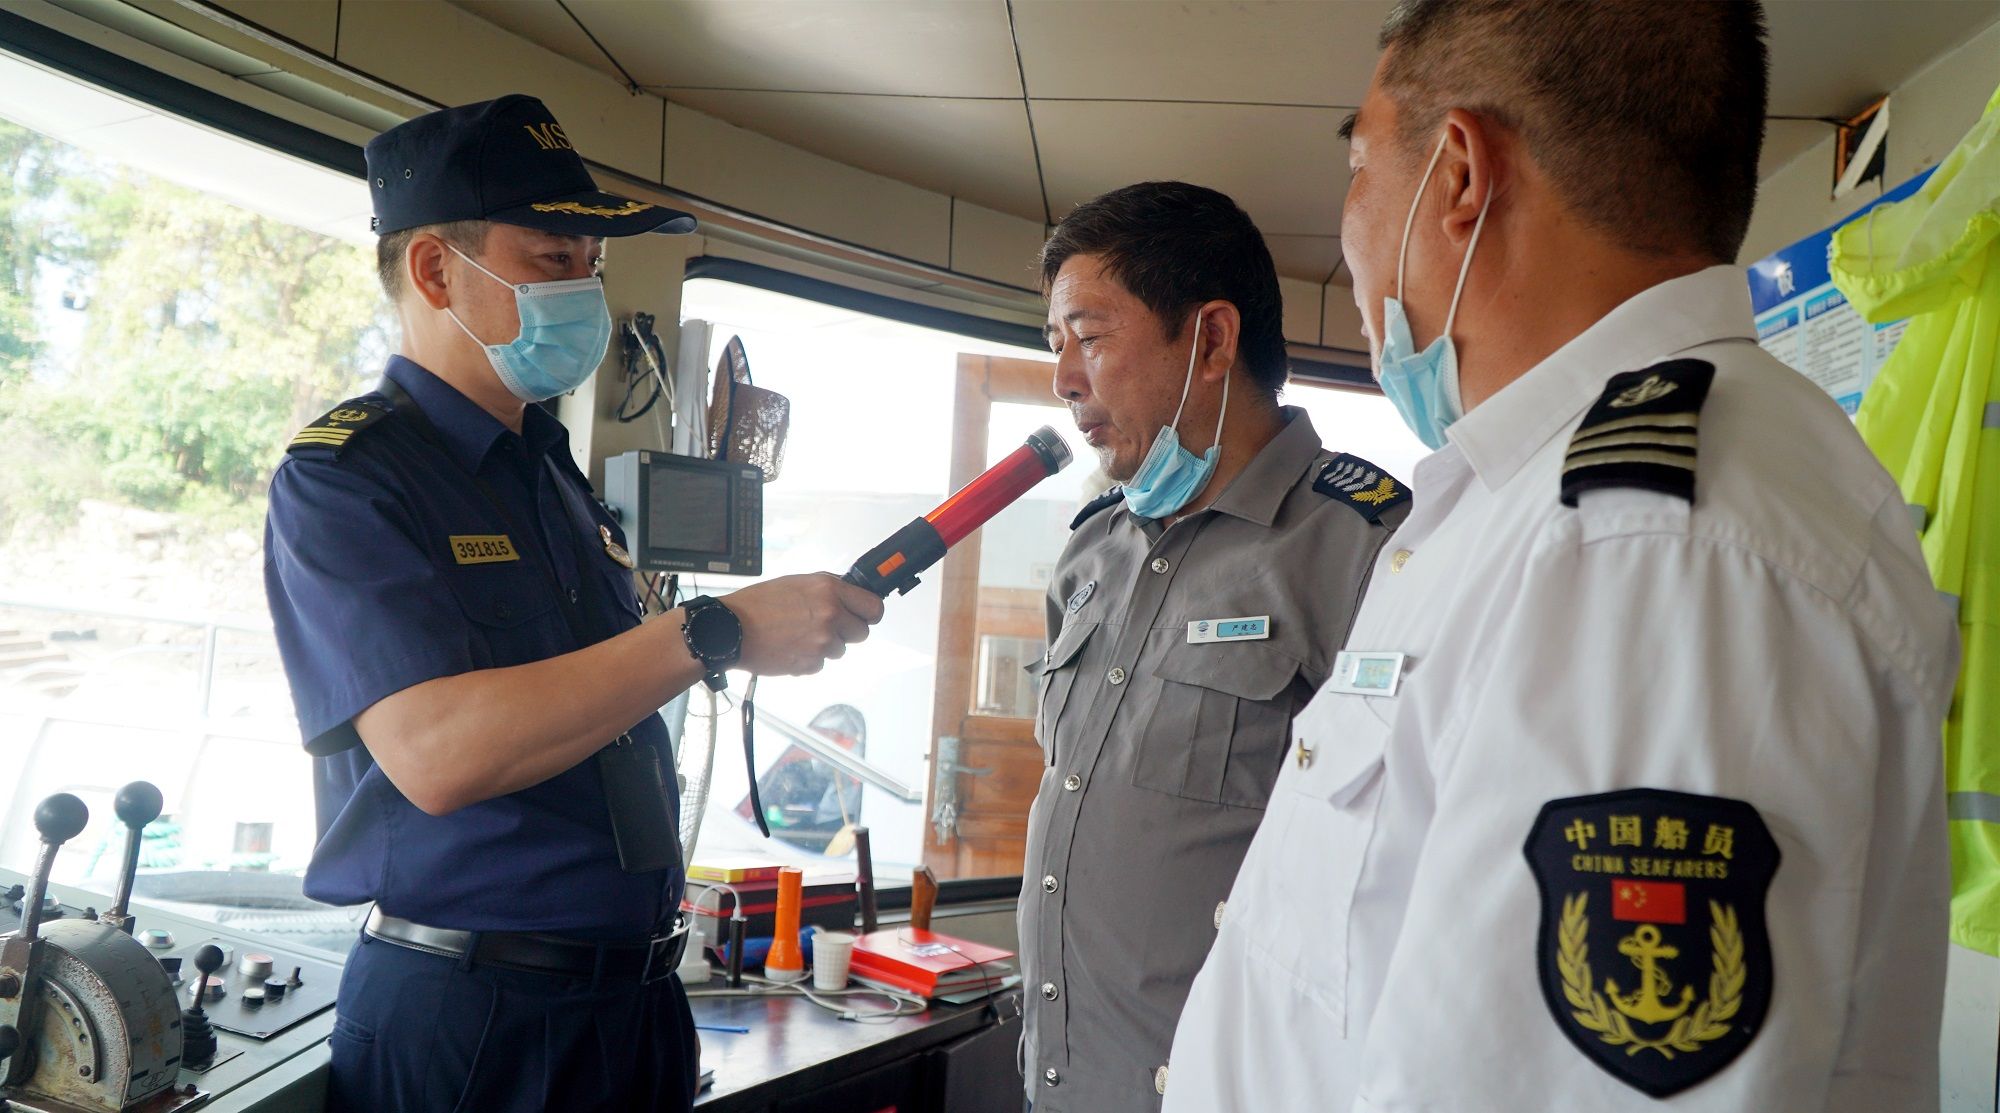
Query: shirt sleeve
[
  {"x": 358, "y": 607},
  {"x": 1668, "y": 662}
]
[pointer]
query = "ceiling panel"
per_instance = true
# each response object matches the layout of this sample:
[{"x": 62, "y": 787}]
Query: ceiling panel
[
  {"x": 1785, "y": 140},
  {"x": 1832, "y": 58},
  {"x": 1311, "y": 258},
  {"x": 1274, "y": 52},
  {"x": 1285, "y": 166},
  {"x": 910, "y": 47},
  {"x": 975, "y": 149},
  {"x": 545, "y": 23}
]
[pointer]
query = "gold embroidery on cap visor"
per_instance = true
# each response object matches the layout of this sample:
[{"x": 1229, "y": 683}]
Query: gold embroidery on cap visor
[{"x": 576, "y": 208}]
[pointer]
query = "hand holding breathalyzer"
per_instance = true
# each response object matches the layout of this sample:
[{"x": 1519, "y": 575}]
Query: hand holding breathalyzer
[{"x": 794, "y": 624}]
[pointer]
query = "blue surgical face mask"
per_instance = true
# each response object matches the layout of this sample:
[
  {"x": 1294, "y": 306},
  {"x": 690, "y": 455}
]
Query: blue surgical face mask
[
  {"x": 565, "y": 326},
  {"x": 1170, "y": 476},
  {"x": 1423, "y": 386}
]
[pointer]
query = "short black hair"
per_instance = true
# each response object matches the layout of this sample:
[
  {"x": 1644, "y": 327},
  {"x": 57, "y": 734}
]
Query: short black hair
[
  {"x": 1175, "y": 246},
  {"x": 1647, "y": 115},
  {"x": 391, "y": 250}
]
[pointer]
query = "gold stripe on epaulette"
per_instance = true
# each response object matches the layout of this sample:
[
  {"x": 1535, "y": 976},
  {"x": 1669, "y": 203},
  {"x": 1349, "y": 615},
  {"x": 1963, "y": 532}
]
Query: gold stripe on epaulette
[
  {"x": 1594, "y": 440},
  {"x": 1672, "y": 421},
  {"x": 330, "y": 436},
  {"x": 1637, "y": 456}
]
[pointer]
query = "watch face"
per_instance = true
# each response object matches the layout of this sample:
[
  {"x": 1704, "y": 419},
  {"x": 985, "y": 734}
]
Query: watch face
[{"x": 714, "y": 632}]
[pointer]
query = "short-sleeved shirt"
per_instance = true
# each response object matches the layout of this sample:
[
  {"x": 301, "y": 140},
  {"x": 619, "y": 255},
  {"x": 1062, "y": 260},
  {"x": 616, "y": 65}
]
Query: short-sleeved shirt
[
  {"x": 1162, "y": 745},
  {"x": 1775, "y": 645},
  {"x": 383, "y": 571}
]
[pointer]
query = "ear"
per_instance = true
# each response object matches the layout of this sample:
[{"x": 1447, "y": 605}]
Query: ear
[
  {"x": 1221, "y": 332},
  {"x": 1468, "y": 173},
  {"x": 423, "y": 270}
]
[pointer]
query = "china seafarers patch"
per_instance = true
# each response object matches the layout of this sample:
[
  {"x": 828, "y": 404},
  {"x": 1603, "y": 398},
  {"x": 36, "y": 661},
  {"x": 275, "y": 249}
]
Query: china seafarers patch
[
  {"x": 337, "y": 426},
  {"x": 1641, "y": 432},
  {"x": 1367, "y": 489},
  {"x": 1653, "y": 954}
]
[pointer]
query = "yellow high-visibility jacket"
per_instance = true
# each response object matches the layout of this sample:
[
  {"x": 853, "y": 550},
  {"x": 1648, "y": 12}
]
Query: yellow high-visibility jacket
[{"x": 1933, "y": 418}]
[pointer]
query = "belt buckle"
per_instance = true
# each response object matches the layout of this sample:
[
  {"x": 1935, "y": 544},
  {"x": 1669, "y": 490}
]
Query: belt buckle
[{"x": 663, "y": 952}]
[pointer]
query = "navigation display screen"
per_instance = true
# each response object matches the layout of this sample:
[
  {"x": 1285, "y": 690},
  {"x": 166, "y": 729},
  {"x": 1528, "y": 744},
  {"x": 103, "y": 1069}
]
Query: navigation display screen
[{"x": 688, "y": 509}]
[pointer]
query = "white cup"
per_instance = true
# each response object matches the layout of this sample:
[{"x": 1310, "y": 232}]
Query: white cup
[{"x": 833, "y": 953}]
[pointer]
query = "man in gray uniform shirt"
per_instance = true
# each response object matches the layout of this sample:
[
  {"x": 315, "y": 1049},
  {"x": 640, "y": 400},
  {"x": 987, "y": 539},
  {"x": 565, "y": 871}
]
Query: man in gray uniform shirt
[{"x": 1195, "y": 609}]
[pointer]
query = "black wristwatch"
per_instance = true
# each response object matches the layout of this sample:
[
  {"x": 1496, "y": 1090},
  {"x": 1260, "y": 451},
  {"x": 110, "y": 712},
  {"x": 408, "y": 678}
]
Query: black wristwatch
[{"x": 714, "y": 636}]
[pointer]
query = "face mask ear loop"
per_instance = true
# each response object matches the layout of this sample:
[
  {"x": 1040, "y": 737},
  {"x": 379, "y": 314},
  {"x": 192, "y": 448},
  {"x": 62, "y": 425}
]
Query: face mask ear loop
[
  {"x": 482, "y": 270},
  {"x": 1219, "y": 418},
  {"x": 1188, "y": 383},
  {"x": 1465, "y": 267},
  {"x": 1411, "y": 221},
  {"x": 461, "y": 325}
]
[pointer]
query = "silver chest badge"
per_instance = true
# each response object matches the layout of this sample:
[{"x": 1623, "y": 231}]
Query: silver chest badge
[{"x": 1081, "y": 597}]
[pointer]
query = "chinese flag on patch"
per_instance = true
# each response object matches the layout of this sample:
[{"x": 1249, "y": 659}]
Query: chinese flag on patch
[{"x": 1649, "y": 902}]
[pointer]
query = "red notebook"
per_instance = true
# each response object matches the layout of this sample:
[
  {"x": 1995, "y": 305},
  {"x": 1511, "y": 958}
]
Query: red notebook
[{"x": 928, "y": 962}]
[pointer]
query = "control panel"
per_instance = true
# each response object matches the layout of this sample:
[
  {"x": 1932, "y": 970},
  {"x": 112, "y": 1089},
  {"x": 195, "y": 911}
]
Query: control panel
[{"x": 133, "y": 1010}]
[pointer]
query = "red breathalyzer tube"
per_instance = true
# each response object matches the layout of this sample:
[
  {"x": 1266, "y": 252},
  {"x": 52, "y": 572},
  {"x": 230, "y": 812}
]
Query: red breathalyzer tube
[{"x": 893, "y": 566}]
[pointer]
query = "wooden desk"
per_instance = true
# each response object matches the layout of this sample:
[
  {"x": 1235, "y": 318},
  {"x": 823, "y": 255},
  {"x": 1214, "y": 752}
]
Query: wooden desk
[{"x": 798, "y": 1056}]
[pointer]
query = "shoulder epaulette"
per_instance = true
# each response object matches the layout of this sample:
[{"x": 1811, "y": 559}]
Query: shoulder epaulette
[
  {"x": 1090, "y": 509},
  {"x": 1361, "y": 486},
  {"x": 1641, "y": 432},
  {"x": 338, "y": 426}
]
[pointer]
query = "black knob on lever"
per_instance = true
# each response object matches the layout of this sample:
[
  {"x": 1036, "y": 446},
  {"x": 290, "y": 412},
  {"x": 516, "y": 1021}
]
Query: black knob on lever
[
  {"x": 197, "y": 1035},
  {"x": 60, "y": 818},
  {"x": 137, "y": 804}
]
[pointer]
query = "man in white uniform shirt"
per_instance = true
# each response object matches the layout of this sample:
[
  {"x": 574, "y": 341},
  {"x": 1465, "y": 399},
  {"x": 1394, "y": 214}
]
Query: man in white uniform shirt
[{"x": 1626, "y": 793}]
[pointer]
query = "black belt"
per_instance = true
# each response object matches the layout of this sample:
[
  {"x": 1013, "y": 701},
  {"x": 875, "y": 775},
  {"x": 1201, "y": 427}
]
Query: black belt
[{"x": 643, "y": 961}]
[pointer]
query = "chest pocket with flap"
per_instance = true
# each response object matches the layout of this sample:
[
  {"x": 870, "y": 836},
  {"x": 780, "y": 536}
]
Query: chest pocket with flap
[
  {"x": 1057, "y": 671},
  {"x": 1222, "y": 724}
]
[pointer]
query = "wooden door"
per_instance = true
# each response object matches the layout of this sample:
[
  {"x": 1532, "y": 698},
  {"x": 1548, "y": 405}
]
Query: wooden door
[{"x": 979, "y": 801}]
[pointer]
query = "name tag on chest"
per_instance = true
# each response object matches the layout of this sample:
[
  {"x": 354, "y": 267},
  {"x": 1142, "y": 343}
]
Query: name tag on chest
[
  {"x": 1366, "y": 673},
  {"x": 485, "y": 548},
  {"x": 1253, "y": 629}
]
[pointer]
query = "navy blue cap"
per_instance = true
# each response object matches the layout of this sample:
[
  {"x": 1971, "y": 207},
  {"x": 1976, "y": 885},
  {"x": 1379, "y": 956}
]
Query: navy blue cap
[{"x": 504, "y": 160}]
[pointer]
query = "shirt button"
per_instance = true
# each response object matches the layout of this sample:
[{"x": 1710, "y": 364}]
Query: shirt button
[
  {"x": 503, "y": 610},
  {"x": 572, "y": 595},
  {"x": 1401, "y": 558},
  {"x": 1049, "y": 884},
  {"x": 1050, "y": 1077},
  {"x": 1160, "y": 1080},
  {"x": 1219, "y": 906},
  {"x": 1072, "y": 782},
  {"x": 1049, "y": 991},
  {"x": 1161, "y": 564},
  {"x": 1116, "y": 677}
]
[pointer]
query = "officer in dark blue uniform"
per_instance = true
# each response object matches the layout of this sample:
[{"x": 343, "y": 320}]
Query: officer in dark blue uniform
[{"x": 457, "y": 619}]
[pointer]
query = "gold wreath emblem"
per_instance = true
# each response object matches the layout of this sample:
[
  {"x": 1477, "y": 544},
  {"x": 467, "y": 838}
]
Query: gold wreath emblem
[
  {"x": 629, "y": 208},
  {"x": 348, "y": 415},
  {"x": 1708, "y": 1021},
  {"x": 1382, "y": 492}
]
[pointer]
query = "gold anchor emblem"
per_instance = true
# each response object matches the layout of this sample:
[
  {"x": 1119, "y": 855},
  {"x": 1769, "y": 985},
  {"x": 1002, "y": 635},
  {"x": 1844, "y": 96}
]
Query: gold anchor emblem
[
  {"x": 1644, "y": 1004},
  {"x": 1653, "y": 389}
]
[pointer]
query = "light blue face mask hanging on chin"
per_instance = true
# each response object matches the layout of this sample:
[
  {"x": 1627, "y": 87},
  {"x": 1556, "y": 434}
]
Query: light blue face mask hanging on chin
[
  {"x": 565, "y": 327},
  {"x": 1170, "y": 476},
  {"x": 1423, "y": 386}
]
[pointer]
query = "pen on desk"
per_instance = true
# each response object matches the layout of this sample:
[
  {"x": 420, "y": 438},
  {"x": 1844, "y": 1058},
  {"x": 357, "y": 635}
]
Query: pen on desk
[{"x": 738, "y": 1029}]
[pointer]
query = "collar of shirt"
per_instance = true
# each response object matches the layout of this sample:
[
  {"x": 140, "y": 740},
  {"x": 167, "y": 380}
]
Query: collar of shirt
[
  {"x": 1259, "y": 489},
  {"x": 469, "y": 432},
  {"x": 1505, "y": 431}
]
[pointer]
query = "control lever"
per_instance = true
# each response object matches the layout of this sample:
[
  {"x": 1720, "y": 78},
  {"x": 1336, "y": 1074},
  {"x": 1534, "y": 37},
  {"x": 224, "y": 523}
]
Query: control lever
[
  {"x": 137, "y": 804},
  {"x": 197, "y": 1035},
  {"x": 59, "y": 819}
]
